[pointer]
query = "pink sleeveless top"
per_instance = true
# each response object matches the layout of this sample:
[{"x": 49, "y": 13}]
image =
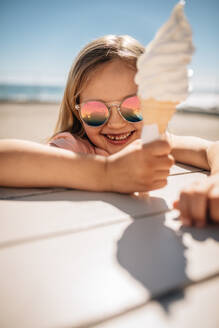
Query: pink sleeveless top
[{"x": 67, "y": 141}]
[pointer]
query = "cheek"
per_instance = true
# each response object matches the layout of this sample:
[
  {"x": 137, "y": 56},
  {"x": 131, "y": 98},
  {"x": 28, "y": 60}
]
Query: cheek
[
  {"x": 87, "y": 130},
  {"x": 139, "y": 127},
  {"x": 91, "y": 132}
]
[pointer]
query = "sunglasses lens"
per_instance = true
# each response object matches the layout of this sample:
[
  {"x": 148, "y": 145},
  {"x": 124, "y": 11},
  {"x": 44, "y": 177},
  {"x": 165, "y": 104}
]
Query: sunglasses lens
[
  {"x": 130, "y": 109},
  {"x": 94, "y": 113}
]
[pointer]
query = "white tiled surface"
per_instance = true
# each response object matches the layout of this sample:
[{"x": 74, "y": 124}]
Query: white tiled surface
[
  {"x": 175, "y": 184},
  {"x": 61, "y": 211},
  {"x": 197, "y": 306},
  {"x": 71, "y": 258},
  {"x": 182, "y": 169},
  {"x": 95, "y": 274}
]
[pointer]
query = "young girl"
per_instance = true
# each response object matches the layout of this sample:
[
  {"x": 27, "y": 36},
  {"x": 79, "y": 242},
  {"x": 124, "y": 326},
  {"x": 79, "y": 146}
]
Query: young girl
[{"x": 96, "y": 145}]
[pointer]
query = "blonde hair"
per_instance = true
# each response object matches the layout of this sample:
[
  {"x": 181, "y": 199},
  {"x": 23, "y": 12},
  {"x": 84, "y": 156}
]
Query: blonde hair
[{"x": 97, "y": 52}]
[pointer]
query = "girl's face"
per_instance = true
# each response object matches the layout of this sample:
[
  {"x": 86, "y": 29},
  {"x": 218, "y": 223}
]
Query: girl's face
[{"x": 111, "y": 83}]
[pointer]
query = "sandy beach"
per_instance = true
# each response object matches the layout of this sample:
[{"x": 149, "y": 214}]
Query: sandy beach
[{"x": 36, "y": 122}]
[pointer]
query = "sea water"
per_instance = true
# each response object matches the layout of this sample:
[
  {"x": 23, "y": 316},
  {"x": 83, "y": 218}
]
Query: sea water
[
  {"x": 205, "y": 100},
  {"x": 31, "y": 93}
]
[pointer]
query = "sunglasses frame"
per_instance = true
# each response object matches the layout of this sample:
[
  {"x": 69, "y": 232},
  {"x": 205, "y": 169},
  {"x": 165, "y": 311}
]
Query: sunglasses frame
[{"x": 108, "y": 106}]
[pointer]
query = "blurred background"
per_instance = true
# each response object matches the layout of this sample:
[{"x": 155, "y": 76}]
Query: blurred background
[{"x": 39, "y": 40}]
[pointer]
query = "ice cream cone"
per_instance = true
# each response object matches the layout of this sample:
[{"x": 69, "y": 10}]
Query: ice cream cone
[{"x": 157, "y": 112}]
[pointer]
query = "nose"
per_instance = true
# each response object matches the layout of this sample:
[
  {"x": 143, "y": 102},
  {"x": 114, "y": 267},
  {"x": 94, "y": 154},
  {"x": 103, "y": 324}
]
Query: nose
[{"x": 115, "y": 120}]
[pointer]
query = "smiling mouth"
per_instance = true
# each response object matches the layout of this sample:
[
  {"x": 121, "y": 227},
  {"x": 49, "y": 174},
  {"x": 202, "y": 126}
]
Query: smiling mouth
[{"x": 118, "y": 138}]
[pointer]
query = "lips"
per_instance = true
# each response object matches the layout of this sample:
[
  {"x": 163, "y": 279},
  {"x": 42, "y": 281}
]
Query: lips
[{"x": 118, "y": 139}]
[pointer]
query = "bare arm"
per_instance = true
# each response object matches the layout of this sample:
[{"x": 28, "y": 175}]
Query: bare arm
[
  {"x": 190, "y": 150},
  {"x": 29, "y": 164},
  {"x": 213, "y": 157},
  {"x": 136, "y": 168},
  {"x": 199, "y": 201}
]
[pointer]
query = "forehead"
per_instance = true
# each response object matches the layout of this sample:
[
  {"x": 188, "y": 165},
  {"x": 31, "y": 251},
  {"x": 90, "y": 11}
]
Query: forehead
[{"x": 110, "y": 81}]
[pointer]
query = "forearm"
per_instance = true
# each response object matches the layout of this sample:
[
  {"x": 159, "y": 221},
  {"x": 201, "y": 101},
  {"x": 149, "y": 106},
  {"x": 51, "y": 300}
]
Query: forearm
[
  {"x": 28, "y": 164},
  {"x": 191, "y": 151},
  {"x": 213, "y": 157}
]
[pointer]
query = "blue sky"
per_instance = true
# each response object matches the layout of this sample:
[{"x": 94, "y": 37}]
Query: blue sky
[{"x": 39, "y": 39}]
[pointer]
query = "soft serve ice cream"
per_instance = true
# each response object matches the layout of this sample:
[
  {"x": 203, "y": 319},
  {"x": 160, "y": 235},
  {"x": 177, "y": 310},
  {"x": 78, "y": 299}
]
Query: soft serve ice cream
[{"x": 162, "y": 75}]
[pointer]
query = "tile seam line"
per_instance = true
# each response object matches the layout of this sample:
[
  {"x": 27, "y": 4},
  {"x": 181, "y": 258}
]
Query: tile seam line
[
  {"x": 184, "y": 173},
  {"x": 38, "y": 238},
  {"x": 159, "y": 296},
  {"x": 34, "y": 195}
]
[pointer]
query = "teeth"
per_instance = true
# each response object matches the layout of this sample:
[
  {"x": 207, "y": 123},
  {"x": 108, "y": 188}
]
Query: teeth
[{"x": 122, "y": 137}]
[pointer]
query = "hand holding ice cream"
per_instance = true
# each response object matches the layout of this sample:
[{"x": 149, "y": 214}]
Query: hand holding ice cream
[{"x": 162, "y": 76}]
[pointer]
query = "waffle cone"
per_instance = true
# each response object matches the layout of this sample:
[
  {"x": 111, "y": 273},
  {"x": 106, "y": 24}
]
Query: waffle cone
[{"x": 157, "y": 112}]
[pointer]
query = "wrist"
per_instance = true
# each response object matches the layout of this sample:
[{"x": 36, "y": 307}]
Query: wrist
[
  {"x": 84, "y": 172},
  {"x": 102, "y": 172},
  {"x": 108, "y": 174},
  {"x": 97, "y": 176}
]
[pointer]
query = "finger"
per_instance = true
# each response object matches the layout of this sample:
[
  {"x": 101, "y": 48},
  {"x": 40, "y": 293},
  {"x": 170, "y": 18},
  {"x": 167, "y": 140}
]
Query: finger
[
  {"x": 163, "y": 162},
  {"x": 160, "y": 175},
  {"x": 198, "y": 206},
  {"x": 158, "y": 184},
  {"x": 213, "y": 196},
  {"x": 184, "y": 208},
  {"x": 158, "y": 147}
]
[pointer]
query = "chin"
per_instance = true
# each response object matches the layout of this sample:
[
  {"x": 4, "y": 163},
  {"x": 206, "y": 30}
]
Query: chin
[{"x": 116, "y": 148}]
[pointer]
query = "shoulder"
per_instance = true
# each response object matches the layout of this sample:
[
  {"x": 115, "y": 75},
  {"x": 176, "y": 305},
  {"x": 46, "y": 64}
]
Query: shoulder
[{"x": 67, "y": 141}]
